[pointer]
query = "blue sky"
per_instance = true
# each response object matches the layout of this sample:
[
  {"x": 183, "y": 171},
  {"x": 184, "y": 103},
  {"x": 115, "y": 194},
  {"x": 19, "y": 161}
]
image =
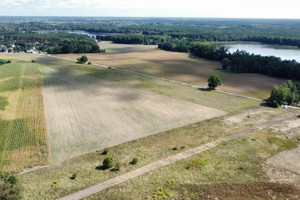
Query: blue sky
[{"x": 153, "y": 8}]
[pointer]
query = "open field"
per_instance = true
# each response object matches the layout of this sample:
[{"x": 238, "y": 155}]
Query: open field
[
  {"x": 147, "y": 150},
  {"x": 24, "y": 141},
  {"x": 121, "y": 48},
  {"x": 85, "y": 113},
  {"x": 182, "y": 67}
]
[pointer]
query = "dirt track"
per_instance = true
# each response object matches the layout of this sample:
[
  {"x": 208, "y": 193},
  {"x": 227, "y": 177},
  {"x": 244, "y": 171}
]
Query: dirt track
[{"x": 122, "y": 178}]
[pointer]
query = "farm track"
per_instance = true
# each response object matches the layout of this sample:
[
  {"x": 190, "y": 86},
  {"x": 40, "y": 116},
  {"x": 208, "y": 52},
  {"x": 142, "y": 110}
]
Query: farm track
[{"x": 172, "y": 159}]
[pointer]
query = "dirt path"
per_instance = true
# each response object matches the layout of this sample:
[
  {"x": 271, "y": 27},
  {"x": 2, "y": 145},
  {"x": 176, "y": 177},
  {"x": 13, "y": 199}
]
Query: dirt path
[{"x": 124, "y": 177}]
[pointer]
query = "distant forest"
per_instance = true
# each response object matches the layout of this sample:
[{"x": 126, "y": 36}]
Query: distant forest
[{"x": 171, "y": 34}]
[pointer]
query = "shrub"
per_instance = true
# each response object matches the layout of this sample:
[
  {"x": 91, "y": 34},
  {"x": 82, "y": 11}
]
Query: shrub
[
  {"x": 105, "y": 152},
  {"x": 12, "y": 180},
  {"x": 33, "y": 61},
  {"x": 134, "y": 161},
  {"x": 118, "y": 166},
  {"x": 174, "y": 148},
  {"x": 89, "y": 63},
  {"x": 108, "y": 163},
  {"x": 74, "y": 176},
  {"x": 9, "y": 187}
]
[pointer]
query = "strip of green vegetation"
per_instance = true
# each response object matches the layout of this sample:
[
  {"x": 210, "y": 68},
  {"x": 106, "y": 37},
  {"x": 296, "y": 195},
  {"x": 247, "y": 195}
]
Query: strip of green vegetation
[
  {"x": 236, "y": 161},
  {"x": 283, "y": 144},
  {"x": 3, "y": 103}
]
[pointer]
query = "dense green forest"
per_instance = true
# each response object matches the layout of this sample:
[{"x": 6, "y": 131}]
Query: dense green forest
[
  {"x": 172, "y": 34},
  {"x": 243, "y": 62},
  {"x": 53, "y": 43}
]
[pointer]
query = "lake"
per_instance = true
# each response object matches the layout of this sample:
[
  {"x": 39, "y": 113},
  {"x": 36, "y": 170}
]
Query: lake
[{"x": 267, "y": 50}]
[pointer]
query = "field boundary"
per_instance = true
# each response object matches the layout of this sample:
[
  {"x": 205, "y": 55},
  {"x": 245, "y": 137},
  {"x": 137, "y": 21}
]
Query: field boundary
[{"x": 172, "y": 159}]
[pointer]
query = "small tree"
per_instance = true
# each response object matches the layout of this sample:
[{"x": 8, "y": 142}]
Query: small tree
[
  {"x": 108, "y": 163},
  {"x": 134, "y": 161},
  {"x": 214, "y": 81},
  {"x": 225, "y": 63},
  {"x": 83, "y": 59}
]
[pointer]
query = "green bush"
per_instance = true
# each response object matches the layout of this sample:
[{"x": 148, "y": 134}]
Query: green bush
[
  {"x": 74, "y": 176},
  {"x": 174, "y": 148},
  {"x": 108, "y": 163},
  {"x": 12, "y": 180},
  {"x": 134, "y": 161},
  {"x": 105, "y": 152},
  {"x": 89, "y": 63},
  {"x": 10, "y": 189}
]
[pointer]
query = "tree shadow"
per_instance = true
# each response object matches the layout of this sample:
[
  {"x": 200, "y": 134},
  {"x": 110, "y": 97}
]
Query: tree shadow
[
  {"x": 101, "y": 168},
  {"x": 206, "y": 89}
]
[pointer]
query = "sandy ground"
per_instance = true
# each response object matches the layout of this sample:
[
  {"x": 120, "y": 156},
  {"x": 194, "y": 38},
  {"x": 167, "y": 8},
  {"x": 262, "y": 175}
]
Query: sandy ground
[{"x": 85, "y": 114}]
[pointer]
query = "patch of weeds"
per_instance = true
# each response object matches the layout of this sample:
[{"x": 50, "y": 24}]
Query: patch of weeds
[
  {"x": 3, "y": 103},
  {"x": 134, "y": 161},
  {"x": 198, "y": 163},
  {"x": 284, "y": 144},
  {"x": 183, "y": 147},
  {"x": 54, "y": 183},
  {"x": 174, "y": 148},
  {"x": 163, "y": 191},
  {"x": 118, "y": 166}
]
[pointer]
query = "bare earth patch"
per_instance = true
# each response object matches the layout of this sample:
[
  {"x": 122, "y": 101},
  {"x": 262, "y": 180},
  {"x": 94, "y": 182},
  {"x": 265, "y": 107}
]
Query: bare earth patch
[{"x": 84, "y": 113}]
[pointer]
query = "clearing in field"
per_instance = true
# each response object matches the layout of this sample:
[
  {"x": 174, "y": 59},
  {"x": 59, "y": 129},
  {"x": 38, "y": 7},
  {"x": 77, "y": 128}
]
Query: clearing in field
[
  {"x": 85, "y": 113},
  {"x": 111, "y": 47},
  {"x": 23, "y": 135},
  {"x": 182, "y": 67}
]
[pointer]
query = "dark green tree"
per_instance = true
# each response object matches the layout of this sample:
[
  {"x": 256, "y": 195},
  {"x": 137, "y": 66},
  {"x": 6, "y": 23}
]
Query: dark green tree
[
  {"x": 225, "y": 63},
  {"x": 108, "y": 163},
  {"x": 83, "y": 59},
  {"x": 214, "y": 81}
]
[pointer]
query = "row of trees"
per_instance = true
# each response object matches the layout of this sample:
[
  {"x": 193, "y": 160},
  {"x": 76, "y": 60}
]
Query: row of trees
[{"x": 134, "y": 39}]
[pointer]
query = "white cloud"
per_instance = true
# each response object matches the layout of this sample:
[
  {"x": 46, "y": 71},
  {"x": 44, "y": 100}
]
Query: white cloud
[{"x": 179, "y": 8}]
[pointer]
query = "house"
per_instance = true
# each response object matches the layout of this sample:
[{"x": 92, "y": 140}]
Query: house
[{"x": 32, "y": 51}]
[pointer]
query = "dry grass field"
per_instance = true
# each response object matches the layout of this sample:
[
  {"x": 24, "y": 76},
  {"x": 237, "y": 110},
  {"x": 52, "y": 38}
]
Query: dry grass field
[
  {"x": 243, "y": 168},
  {"x": 84, "y": 113},
  {"x": 182, "y": 67},
  {"x": 151, "y": 149},
  {"x": 121, "y": 48},
  {"x": 23, "y": 135}
]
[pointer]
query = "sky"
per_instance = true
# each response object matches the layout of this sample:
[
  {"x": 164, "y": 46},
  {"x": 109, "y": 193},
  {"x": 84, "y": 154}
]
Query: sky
[{"x": 154, "y": 8}]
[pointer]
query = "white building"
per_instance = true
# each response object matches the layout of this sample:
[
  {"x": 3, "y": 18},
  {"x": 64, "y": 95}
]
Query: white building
[{"x": 32, "y": 51}]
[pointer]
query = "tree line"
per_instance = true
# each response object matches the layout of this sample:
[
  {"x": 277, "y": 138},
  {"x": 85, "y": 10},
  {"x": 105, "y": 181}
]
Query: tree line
[{"x": 53, "y": 43}]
